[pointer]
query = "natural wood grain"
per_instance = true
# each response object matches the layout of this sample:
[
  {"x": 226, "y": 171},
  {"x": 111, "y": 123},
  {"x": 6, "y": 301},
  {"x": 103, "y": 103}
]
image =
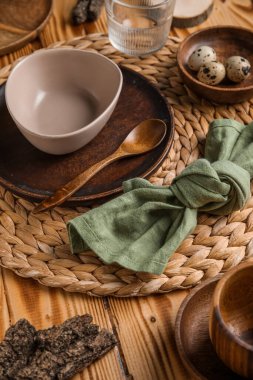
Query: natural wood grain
[
  {"x": 223, "y": 13},
  {"x": 26, "y": 50},
  {"x": 4, "y": 311},
  {"x": 145, "y": 329},
  {"x": 21, "y": 21},
  {"x": 44, "y": 307},
  {"x": 231, "y": 319},
  {"x": 59, "y": 26},
  {"x": 13, "y": 29},
  {"x": 188, "y": 13},
  {"x": 97, "y": 26},
  {"x": 147, "y": 345}
]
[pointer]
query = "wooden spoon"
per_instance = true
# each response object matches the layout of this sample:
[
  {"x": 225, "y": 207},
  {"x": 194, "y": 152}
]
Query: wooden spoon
[{"x": 144, "y": 137}]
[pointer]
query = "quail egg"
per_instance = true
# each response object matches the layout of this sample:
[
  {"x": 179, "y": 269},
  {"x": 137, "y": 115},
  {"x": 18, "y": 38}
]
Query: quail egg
[
  {"x": 200, "y": 56},
  {"x": 211, "y": 73},
  {"x": 238, "y": 68}
]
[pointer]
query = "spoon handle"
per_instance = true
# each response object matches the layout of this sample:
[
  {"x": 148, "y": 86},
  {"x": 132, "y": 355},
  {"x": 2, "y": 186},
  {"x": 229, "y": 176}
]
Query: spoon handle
[{"x": 63, "y": 193}]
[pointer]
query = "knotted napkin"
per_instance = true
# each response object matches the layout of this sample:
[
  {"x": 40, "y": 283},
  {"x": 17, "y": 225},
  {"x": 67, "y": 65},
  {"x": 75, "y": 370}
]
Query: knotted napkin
[{"x": 143, "y": 227}]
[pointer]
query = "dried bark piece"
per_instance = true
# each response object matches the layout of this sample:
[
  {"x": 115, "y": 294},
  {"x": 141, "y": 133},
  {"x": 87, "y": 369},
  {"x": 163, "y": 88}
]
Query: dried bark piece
[
  {"x": 43, "y": 366},
  {"x": 46, "y": 365},
  {"x": 86, "y": 10},
  {"x": 94, "y": 9},
  {"x": 16, "y": 348},
  {"x": 55, "y": 353},
  {"x": 79, "y": 12},
  {"x": 57, "y": 338},
  {"x": 82, "y": 356}
]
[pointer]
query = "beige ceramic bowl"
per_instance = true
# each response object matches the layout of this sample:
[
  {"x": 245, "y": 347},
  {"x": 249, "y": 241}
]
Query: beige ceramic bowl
[{"x": 60, "y": 99}]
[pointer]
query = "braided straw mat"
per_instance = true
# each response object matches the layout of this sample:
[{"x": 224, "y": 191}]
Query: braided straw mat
[{"x": 37, "y": 245}]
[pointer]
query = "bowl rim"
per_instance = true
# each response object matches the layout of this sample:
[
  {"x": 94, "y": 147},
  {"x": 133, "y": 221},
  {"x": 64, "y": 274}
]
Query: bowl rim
[
  {"x": 192, "y": 78},
  {"x": 216, "y": 303},
  {"x": 55, "y": 51}
]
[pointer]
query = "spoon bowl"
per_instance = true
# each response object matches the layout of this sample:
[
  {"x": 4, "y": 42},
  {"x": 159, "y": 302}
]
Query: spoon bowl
[{"x": 144, "y": 137}]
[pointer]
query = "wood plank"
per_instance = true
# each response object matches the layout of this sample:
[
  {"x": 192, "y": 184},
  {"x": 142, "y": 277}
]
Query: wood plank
[
  {"x": 145, "y": 327},
  {"x": 97, "y": 26},
  {"x": 4, "y": 312},
  {"x": 44, "y": 307},
  {"x": 26, "y": 50},
  {"x": 59, "y": 26}
]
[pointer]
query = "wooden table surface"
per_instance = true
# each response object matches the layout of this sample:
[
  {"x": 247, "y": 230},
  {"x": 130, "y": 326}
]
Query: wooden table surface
[{"x": 144, "y": 326}]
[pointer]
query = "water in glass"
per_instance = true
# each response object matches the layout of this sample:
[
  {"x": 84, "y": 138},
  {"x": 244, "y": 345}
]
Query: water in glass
[{"x": 139, "y": 27}]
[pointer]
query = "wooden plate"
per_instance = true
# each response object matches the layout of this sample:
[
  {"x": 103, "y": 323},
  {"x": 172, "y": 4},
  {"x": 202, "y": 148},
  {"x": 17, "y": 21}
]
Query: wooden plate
[
  {"x": 21, "y": 21},
  {"x": 33, "y": 174},
  {"x": 227, "y": 41},
  {"x": 192, "y": 335}
]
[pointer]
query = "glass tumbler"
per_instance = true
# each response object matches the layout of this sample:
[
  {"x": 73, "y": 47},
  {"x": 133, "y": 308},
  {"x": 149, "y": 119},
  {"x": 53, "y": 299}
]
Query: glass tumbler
[{"x": 139, "y": 27}]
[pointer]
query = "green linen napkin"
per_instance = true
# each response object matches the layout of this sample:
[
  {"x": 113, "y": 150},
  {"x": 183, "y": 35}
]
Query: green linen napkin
[{"x": 143, "y": 227}]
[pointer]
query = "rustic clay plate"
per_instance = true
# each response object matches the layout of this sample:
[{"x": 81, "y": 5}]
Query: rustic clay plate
[
  {"x": 33, "y": 174},
  {"x": 227, "y": 41},
  {"x": 192, "y": 336},
  {"x": 21, "y": 21}
]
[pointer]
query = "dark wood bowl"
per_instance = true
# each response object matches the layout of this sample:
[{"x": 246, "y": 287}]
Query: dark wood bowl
[
  {"x": 231, "y": 319},
  {"x": 227, "y": 41},
  {"x": 192, "y": 335}
]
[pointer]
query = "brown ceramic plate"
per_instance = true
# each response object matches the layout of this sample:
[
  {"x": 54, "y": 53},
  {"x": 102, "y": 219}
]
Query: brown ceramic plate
[
  {"x": 227, "y": 41},
  {"x": 33, "y": 174},
  {"x": 192, "y": 336},
  {"x": 21, "y": 21}
]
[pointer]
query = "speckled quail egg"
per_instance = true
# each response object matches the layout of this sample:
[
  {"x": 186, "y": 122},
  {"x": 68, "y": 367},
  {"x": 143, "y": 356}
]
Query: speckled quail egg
[
  {"x": 200, "y": 56},
  {"x": 238, "y": 68},
  {"x": 211, "y": 73}
]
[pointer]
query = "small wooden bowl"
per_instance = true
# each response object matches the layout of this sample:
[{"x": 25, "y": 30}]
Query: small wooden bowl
[
  {"x": 192, "y": 335},
  {"x": 231, "y": 319},
  {"x": 227, "y": 41}
]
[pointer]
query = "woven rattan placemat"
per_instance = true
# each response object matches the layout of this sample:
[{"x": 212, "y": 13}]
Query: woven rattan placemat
[{"x": 37, "y": 245}]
